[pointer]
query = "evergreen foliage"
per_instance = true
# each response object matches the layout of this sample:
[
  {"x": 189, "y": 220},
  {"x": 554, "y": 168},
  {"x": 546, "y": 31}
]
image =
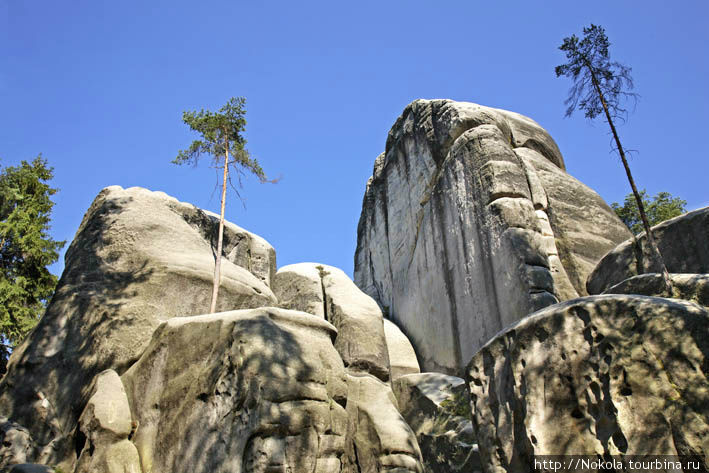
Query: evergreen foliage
[
  {"x": 26, "y": 249},
  {"x": 221, "y": 132},
  {"x": 597, "y": 81},
  {"x": 662, "y": 207}
]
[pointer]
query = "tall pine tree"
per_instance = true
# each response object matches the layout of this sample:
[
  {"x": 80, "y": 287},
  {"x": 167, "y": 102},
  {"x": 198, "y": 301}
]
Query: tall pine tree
[
  {"x": 222, "y": 139},
  {"x": 600, "y": 87},
  {"x": 26, "y": 249}
]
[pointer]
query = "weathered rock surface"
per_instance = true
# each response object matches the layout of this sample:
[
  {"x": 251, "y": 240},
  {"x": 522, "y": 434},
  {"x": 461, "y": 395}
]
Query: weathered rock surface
[
  {"x": 31, "y": 468},
  {"x": 327, "y": 291},
  {"x": 138, "y": 258},
  {"x": 402, "y": 357},
  {"x": 683, "y": 242},
  {"x": 300, "y": 287},
  {"x": 470, "y": 222},
  {"x": 613, "y": 374},
  {"x": 383, "y": 440},
  {"x": 690, "y": 287},
  {"x": 437, "y": 407},
  {"x": 243, "y": 391},
  {"x": 106, "y": 424},
  {"x": 17, "y": 444}
]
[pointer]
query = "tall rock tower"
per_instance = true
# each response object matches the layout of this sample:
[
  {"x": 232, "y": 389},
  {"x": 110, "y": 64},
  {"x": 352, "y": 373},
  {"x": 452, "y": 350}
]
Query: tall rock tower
[{"x": 470, "y": 222}]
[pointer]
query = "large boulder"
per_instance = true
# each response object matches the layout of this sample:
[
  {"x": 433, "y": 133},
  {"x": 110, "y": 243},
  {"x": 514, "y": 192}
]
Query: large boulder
[
  {"x": 138, "y": 258},
  {"x": 105, "y": 426},
  {"x": 326, "y": 291},
  {"x": 402, "y": 357},
  {"x": 469, "y": 222},
  {"x": 242, "y": 391},
  {"x": 600, "y": 375},
  {"x": 383, "y": 440},
  {"x": 300, "y": 287},
  {"x": 683, "y": 242},
  {"x": 691, "y": 287}
]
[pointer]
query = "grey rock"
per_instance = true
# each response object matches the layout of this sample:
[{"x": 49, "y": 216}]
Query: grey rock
[
  {"x": 691, "y": 287},
  {"x": 107, "y": 413},
  {"x": 31, "y": 468},
  {"x": 106, "y": 424},
  {"x": 613, "y": 374},
  {"x": 248, "y": 390},
  {"x": 138, "y": 258},
  {"x": 402, "y": 357},
  {"x": 470, "y": 222},
  {"x": 117, "y": 457},
  {"x": 328, "y": 292},
  {"x": 437, "y": 407},
  {"x": 17, "y": 444},
  {"x": 300, "y": 287},
  {"x": 683, "y": 242},
  {"x": 383, "y": 440}
]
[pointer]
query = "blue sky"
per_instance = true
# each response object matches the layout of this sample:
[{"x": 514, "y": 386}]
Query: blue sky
[{"x": 99, "y": 88}]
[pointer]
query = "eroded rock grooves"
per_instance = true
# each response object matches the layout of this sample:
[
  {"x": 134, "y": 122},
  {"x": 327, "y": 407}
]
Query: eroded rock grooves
[{"x": 470, "y": 222}]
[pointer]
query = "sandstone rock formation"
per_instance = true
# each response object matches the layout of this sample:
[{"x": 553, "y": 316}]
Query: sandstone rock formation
[
  {"x": 470, "y": 222},
  {"x": 122, "y": 376},
  {"x": 683, "y": 242},
  {"x": 691, "y": 287},
  {"x": 599, "y": 375},
  {"x": 327, "y": 291},
  {"x": 106, "y": 425},
  {"x": 138, "y": 258},
  {"x": 402, "y": 357},
  {"x": 383, "y": 439},
  {"x": 31, "y": 468},
  {"x": 437, "y": 407},
  {"x": 242, "y": 391}
]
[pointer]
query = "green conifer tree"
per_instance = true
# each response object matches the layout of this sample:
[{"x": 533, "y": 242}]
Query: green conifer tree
[{"x": 26, "y": 249}]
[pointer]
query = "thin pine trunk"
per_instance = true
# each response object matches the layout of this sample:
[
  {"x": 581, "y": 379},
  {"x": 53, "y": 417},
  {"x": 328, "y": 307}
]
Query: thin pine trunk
[
  {"x": 218, "y": 262},
  {"x": 641, "y": 208}
]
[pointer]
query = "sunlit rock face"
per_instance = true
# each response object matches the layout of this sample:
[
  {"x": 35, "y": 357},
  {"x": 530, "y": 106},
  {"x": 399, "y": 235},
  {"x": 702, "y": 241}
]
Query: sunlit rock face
[
  {"x": 138, "y": 258},
  {"x": 470, "y": 222},
  {"x": 599, "y": 375},
  {"x": 328, "y": 292},
  {"x": 243, "y": 391}
]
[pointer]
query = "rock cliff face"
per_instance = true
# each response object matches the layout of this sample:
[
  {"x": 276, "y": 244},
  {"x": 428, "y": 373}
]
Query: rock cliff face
[{"x": 470, "y": 222}]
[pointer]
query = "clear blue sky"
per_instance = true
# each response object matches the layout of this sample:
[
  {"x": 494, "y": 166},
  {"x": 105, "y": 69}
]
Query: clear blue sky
[{"x": 99, "y": 88}]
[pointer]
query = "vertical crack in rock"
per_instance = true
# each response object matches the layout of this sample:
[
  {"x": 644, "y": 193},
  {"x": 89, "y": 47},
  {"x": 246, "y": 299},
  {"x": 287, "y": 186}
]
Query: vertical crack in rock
[
  {"x": 428, "y": 193},
  {"x": 322, "y": 273},
  {"x": 449, "y": 288}
]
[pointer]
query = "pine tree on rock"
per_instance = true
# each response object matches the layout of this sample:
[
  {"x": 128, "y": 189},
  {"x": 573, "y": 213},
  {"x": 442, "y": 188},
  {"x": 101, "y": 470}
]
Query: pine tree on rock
[
  {"x": 221, "y": 139},
  {"x": 600, "y": 86}
]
